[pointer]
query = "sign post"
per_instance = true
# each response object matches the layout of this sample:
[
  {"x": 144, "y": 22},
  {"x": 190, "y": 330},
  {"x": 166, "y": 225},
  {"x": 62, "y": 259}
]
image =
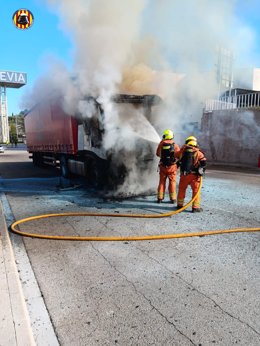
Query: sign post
[{"x": 8, "y": 79}]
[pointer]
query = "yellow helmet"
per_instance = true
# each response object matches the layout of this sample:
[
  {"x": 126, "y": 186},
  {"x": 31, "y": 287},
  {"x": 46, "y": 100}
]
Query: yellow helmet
[
  {"x": 168, "y": 134},
  {"x": 192, "y": 143},
  {"x": 191, "y": 138}
]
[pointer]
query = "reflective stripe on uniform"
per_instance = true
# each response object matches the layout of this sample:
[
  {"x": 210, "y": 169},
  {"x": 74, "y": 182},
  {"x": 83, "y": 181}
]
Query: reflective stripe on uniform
[
  {"x": 172, "y": 195},
  {"x": 160, "y": 195},
  {"x": 180, "y": 202}
]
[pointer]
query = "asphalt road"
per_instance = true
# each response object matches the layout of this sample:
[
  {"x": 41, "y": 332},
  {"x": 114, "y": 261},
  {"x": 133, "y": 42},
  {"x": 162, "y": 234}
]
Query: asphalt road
[
  {"x": 15, "y": 163},
  {"x": 193, "y": 291}
]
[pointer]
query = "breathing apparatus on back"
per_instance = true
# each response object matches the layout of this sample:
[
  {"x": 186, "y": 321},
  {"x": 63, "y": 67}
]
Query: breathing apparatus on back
[
  {"x": 188, "y": 163},
  {"x": 167, "y": 153}
]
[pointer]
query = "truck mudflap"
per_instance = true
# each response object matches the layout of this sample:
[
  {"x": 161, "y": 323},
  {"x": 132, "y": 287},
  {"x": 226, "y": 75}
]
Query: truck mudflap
[
  {"x": 64, "y": 167},
  {"x": 97, "y": 173}
]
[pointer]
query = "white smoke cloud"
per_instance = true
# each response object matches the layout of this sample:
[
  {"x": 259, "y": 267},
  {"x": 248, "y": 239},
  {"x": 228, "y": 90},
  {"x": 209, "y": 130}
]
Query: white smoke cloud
[
  {"x": 123, "y": 44},
  {"x": 104, "y": 33}
]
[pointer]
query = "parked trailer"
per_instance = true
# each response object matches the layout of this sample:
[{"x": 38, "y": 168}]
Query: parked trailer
[{"x": 75, "y": 143}]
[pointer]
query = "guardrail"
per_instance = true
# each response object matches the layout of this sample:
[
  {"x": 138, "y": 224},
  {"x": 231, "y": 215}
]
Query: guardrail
[{"x": 251, "y": 100}]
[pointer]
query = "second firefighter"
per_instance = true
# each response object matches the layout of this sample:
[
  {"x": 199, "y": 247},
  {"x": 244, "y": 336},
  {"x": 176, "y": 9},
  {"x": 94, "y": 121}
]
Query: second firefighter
[
  {"x": 192, "y": 166},
  {"x": 167, "y": 166}
]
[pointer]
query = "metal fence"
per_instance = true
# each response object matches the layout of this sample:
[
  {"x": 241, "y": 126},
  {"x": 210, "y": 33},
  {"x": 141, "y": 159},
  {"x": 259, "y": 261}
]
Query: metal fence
[{"x": 234, "y": 102}]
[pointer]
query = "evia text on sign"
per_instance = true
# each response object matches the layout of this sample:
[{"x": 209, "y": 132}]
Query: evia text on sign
[{"x": 11, "y": 79}]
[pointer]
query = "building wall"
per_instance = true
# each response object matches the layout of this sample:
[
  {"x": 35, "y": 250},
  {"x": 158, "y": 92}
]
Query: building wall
[
  {"x": 256, "y": 79},
  {"x": 231, "y": 136}
]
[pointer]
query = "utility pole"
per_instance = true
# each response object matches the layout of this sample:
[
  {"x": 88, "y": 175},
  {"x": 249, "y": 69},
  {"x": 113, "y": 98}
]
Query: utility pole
[{"x": 4, "y": 128}]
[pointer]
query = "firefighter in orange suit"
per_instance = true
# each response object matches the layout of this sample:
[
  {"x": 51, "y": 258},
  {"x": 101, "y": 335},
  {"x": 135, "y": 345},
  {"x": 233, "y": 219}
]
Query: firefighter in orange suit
[
  {"x": 167, "y": 166},
  {"x": 192, "y": 163}
]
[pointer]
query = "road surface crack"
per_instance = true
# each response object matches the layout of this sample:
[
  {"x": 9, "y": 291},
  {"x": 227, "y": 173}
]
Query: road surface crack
[
  {"x": 203, "y": 294},
  {"x": 140, "y": 293}
]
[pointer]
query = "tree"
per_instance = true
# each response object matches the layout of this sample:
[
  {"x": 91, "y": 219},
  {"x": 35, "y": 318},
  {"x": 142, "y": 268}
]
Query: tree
[
  {"x": 16, "y": 127},
  {"x": 13, "y": 134}
]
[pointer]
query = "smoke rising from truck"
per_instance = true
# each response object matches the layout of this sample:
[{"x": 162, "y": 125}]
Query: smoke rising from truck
[{"x": 119, "y": 46}]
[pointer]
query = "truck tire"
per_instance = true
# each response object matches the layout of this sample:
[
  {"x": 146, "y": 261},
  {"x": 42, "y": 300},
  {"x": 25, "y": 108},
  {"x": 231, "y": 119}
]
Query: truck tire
[
  {"x": 64, "y": 168},
  {"x": 37, "y": 159}
]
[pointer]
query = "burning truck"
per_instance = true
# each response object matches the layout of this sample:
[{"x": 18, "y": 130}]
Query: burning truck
[{"x": 76, "y": 143}]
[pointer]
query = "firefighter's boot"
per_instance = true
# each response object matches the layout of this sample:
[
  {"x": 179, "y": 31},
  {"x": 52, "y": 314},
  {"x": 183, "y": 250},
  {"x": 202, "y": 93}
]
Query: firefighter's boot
[{"x": 197, "y": 210}]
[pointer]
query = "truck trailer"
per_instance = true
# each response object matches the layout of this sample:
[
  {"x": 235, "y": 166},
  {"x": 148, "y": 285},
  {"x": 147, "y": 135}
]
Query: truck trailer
[{"x": 74, "y": 142}]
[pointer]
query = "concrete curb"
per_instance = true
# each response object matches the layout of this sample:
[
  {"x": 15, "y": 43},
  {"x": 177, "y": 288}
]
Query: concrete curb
[
  {"x": 39, "y": 319},
  {"x": 14, "y": 317}
]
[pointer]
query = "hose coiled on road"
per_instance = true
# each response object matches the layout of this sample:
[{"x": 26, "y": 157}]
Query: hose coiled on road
[{"x": 129, "y": 238}]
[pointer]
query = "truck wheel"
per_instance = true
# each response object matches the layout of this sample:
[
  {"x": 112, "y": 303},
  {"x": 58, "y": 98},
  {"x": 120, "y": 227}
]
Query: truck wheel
[
  {"x": 37, "y": 159},
  {"x": 65, "y": 173}
]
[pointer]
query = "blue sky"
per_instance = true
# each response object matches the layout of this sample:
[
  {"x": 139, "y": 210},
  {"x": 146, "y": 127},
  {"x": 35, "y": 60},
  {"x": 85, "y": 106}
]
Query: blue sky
[{"x": 25, "y": 50}]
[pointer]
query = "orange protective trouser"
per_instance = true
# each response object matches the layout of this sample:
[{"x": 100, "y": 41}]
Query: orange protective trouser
[
  {"x": 170, "y": 173},
  {"x": 194, "y": 181}
]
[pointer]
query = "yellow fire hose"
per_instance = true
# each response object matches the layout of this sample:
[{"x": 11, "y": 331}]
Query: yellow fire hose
[{"x": 132, "y": 238}]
